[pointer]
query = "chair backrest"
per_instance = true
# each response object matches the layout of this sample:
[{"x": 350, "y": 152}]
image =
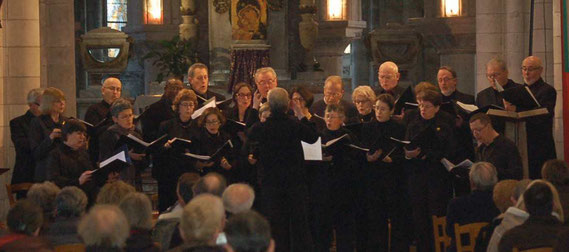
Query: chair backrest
[
  {"x": 11, "y": 189},
  {"x": 534, "y": 250},
  {"x": 76, "y": 247},
  {"x": 442, "y": 241},
  {"x": 472, "y": 231}
]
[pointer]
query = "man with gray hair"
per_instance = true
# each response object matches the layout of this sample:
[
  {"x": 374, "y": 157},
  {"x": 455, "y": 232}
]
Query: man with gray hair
[
  {"x": 496, "y": 74},
  {"x": 238, "y": 198},
  {"x": 479, "y": 205},
  {"x": 212, "y": 183},
  {"x": 265, "y": 80},
  {"x": 104, "y": 228},
  {"x": 333, "y": 94},
  {"x": 70, "y": 205},
  {"x": 283, "y": 198},
  {"x": 19, "y": 128},
  {"x": 388, "y": 77}
]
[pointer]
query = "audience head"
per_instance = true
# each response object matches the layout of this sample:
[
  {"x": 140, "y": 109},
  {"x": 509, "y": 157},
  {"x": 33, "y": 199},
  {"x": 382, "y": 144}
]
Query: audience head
[
  {"x": 137, "y": 209},
  {"x": 171, "y": 89},
  {"x": 25, "y": 217},
  {"x": 388, "y": 75},
  {"x": 264, "y": 112},
  {"x": 212, "y": 119},
  {"x": 34, "y": 100},
  {"x": 497, "y": 71},
  {"x": 74, "y": 134},
  {"x": 52, "y": 101},
  {"x": 531, "y": 69},
  {"x": 111, "y": 89},
  {"x": 212, "y": 183},
  {"x": 265, "y": 79},
  {"x": 70, "y": 202},
  {"x": 481, "y": 127},
  {"x": 384, "y": 107},
  {"x": 303, "y": 95},
  {"x": 502, "y": 194},
  {"x": 238, "y": 198},
  {"x": 248, "y": 231},
  {"x": 557, "y": 209},
  {"x": 333, "y": 89},
  {"x": 519, "y": 190},
  {"x": 243, "y": 95},
  {"x": 185, "y": 184},
  {"x": 202, "y": 220},
  {"x": 278, "y": 100},
  {"x": 539, "y": 200},
  {"x": 43, "y": 195},
  {"x": 121, "y": 111},
  {"x": 185, "y": 103},
  {"x": 364, "y": 98},
  {"x": 483, "y": 176},
  {"x": 429, "y": 103},
  {"x": 112, "y": 193},
  {"x": 556, "y": 172},
  {"x": 447, "y": 80},
  {"x": 198, "y": 78},
  {"x": 104, "y": 226},
  {"x": 334, "y": 116}
]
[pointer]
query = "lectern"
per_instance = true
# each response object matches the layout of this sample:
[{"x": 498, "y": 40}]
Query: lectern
[{"x": 516, "y": 129}]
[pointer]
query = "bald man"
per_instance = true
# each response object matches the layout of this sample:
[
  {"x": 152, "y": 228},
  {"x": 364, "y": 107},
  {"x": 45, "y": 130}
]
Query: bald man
[
  {"x": 541, "y": 146},
  {"x": 111, "y": 90},
  {"x": 388, "y": 76},
  {"x": 333, "y": 94}
]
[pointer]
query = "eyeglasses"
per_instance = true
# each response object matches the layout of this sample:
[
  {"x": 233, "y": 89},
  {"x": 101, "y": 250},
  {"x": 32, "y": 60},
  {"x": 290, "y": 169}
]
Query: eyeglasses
[
  {"x": 530, "y": 69},
  {"x": 361, "y": 101},
  {"x": 187, "y": 104},
  {"x": 479, "y": 130},
  {"x": 266, "y": 82},
  {"x": 327, "y": 117},
  {"x": 125, "y": 117},
  {"x": 332, "y": 94},
  {"x": 493, "y": 75},
  {"x": 445, "y": 79},
  {"x": 240, "y": 95},
  {"x": 380, "y": 108},
  {"x": 298, "y": 99},
  {"x": 385, "y": 77},
  {"x": 214, "y": 122}
]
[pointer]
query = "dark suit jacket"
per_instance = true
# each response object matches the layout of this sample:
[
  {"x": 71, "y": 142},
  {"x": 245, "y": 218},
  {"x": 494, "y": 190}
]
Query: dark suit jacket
[
  {"x": 24, "y": 166},
  {"x": 95, "y": 114},
  {"x": 489, "y": 95},
  {"x": 478, "y": 206},
  {"x": 396, "y": 92},
  {"x": 41, "y": 144},
  {"x": 504, "y": 155},
  {"x": 155, "y": 114},
  {"x": 350, "y": 110}
]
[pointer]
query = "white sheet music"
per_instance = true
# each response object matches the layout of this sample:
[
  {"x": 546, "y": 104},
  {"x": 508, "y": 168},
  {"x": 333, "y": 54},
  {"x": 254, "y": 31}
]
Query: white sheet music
[
  {"x": 312, "y": 151},
  {"x": 120, "y": 156},
  {"x": 199, "y": 112}
]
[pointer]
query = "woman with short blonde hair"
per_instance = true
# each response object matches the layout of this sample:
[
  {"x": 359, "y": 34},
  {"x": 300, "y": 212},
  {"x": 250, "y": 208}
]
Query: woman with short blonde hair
[{"x": 364, "y": 98}]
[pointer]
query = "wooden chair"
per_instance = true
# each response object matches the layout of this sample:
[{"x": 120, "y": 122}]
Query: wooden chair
[
  {"x": 11, "y": 189},
  {"x": 76, "y": 247},
  {"x": 442, "y": 241},
  {"x": 534, "y": 250},
  {"x": 472, "y": 231}
]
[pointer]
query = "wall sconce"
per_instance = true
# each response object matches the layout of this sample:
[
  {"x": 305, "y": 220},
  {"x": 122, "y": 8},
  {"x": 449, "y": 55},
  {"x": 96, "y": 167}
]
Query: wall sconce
[
  {"x": 336, "y": 10},
  {"x": 452, "y": 8},
  {"x": 153, "y": 13}
]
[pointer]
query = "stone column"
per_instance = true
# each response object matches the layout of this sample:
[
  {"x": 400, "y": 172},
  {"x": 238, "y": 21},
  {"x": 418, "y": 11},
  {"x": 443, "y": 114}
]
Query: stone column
[
  {"x": 489, "y": 37},
  {"x": 57, "y": 24},
  {"x": 19, "y": 73}
]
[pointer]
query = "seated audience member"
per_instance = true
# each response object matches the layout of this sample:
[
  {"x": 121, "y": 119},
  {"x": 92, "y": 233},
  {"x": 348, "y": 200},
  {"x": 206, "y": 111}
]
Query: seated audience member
[
  {"x": 541, "y": 228},
  {"x": 43, "y": 195},
  {"x": 502, "y": 196},
  {"x": 556, "y": 172},
  {"x": 104, "y": 228},
  {"x": 70, "y": 205},
  {"x": 495, "y": 148},
  {"x": 138, "y": 211},
  {"x": 512, "y": 217},
  {"x": 24, "y": 220},
  {"x": 113, "y": 193},
  {"x": 478, "y": 206},
  {"x": 248, "y": 231},
  {"x": 202, "y": 221},
  {"x": 212, "y": 183},
  {"x": 238, "y": 198},
  {"x": 168, "y": 221}
]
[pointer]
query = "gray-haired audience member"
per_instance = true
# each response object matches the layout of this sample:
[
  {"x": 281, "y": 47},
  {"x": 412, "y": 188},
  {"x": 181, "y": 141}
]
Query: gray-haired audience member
[
  {"x": 202, "y": 221},
  {"x": 248, "y": 231},
  {"x": 138, "y": 211},
  {"x": 70, "y": 205},
  {"x": 479, "y": 205},
  {"x": 43, "y": 195},
  {"x": 112, "y": 193},
  {"x": 24, "y": 222},
  {"x": 104, "y": 228},
  {"x": 213, "y": 183},
  {"x": 238, "y": 198}
]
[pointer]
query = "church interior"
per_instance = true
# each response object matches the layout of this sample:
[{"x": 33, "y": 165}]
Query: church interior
[{"x": 74, "y": 45}]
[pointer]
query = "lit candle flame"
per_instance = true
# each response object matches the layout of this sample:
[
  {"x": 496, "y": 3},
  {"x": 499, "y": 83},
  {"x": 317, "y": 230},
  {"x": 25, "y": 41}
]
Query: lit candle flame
[
  {"x": 154, "y": 11},
  {"x": 452, "y": 7},
  {"x": 335, "y": 9}
]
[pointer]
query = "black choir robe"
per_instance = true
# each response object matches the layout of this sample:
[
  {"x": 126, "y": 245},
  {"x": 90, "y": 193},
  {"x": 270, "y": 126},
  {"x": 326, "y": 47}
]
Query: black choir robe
[
  {"x": 490, "y": 96},
  {"x": 19, "y": 132},
  {"x": 94, "y": 115},
  {"x": 319, "y": 108},
  {"x": 395, "y": 92},
  {"x": 462, "y": 132},
  {"x": 40, "y": 143},
  {"x": 504, "y": 155},
  {"x": 155, "y": 114}
]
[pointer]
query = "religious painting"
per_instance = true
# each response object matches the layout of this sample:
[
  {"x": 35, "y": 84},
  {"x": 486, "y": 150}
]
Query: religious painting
[{"x": 249, "y": 19}]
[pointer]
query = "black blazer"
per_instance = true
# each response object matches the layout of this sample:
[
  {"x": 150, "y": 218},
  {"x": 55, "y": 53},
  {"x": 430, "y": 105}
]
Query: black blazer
[
  {"x": 24, "y": 166},
  {"x": 155, "y": 114},
  {"x": 41, "y": 144}
]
